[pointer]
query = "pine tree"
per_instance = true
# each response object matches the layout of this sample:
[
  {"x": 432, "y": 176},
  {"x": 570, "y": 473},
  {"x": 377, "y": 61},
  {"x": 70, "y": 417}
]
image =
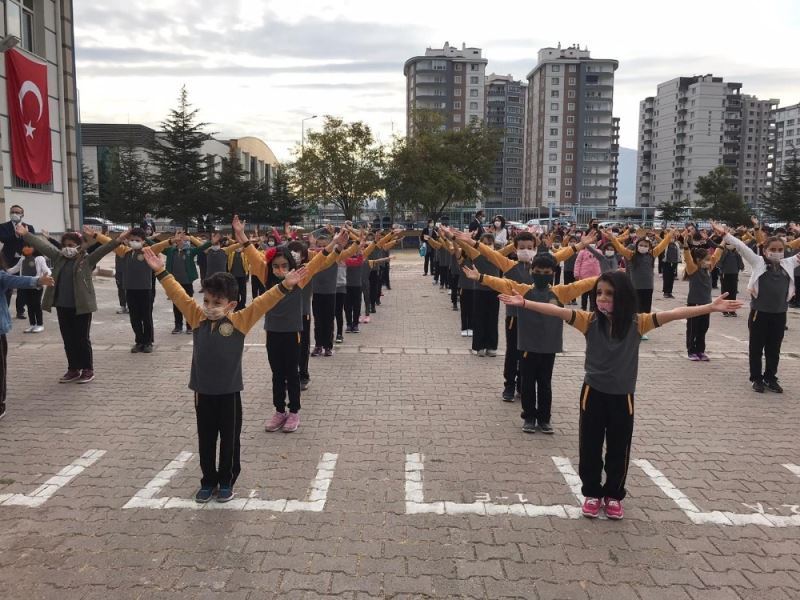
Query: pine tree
[
  {"x": 232, "y": 192},
  {"x": 91, "y": 201},
  {"x": 719, "y": 199},
  {"x": 286, "y": 207},
  {"x": 782, "y": 202},
  {"x": 128, "y": 193},
  {"x": 181, "y": 183}
]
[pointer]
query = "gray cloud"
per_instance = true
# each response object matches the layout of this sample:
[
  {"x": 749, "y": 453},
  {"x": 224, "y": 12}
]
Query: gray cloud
[
  {"x": 184, "y": 70},
  {"x": 109, "y": 55}
]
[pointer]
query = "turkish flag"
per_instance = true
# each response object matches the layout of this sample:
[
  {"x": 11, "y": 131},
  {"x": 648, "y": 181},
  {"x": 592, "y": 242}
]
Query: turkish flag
[{"x": 29, "y": 115}]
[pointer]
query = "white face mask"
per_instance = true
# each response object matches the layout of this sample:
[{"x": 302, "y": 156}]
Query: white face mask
[
  {"x": 69, "y": 252},
  {"x": 16, "y": 217},
  {"x": 215, "y": 247},
  {"x": 610, "y": 253},
  {"x": 270, "y": 243},
  {"x": 298, "y": 258},
  {"x": 136, "y": 245},
  {"x": 526, "y": 256},
  {"x": 643, "y": 249},
  {"x": 214, "y": 313},
  {"x": 592, "y": 245},
  {"x": 775, "y": 256},
  {"x": 498, "y": 224}
]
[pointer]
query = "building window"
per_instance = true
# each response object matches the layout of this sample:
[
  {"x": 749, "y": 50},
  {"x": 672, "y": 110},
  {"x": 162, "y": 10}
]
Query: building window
[
  {"x": 572, "y": 81},
  {"x": 568, "y": 169},
  {"x": 554, "y": 106},
  {"x": 21, "y": 184},
  {"x": 568, "y": 194},
  {"x": 474, "y": 67},
  {"x": 439, "y": 65},
  {"x": 457, "y": 118},
  {"x": 457, "y": 92},
  {"x": 473, "y": 80},
  {"x": 19, "y": 21},
  {"x": 555, "y": 81},
  {"x": 551, "y": 193},
  {"x": 552, "y": 169},
  {"x": 457, "y": 105},
  {"x": 553, "y": 131},
  {"x": 554, "y": 118},
  {"x": 568, "y": 181},
  {"x": 570, "y": 93},
  {"x": 554, "y": 144},
  {"x": 551, "y": 181},
  {"x": 569, "y": 156},
  {"x": 473, "y": 106},
  {"x": 457, "y": 79},
  {"x": 570, "y": 144},
  {"x": 459, "y": 67},
  {"x": 554, "y": 93},
  {"x": 570, "y": 132},
  {"x": 552, "y": 156},
  {"x": 555, "y": 68},
  {"x": 571, "y": 119},
  {"x": 473, "y": 93},
  {"x": 570, "y": 106}
]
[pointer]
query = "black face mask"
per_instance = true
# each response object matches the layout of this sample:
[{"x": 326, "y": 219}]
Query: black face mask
[{"x": 541, "y": 281}]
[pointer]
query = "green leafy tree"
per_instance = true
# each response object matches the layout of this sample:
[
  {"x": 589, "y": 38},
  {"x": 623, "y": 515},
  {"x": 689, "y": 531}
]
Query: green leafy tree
[
  {"x": 782, "y": 202},
  {"x": 232, "y": 192},
  {"x": 286, "y": 205},
  {"x": 673, "y": 211},
  {"x": 342, "y": 164},
  {"x": 182, "y": 188},
  {"x": 719, "y": 199},
  {"x": 128, "y": 193},
  {"x": 91, "y": 201},
  {"x": 432, "y": 169}
]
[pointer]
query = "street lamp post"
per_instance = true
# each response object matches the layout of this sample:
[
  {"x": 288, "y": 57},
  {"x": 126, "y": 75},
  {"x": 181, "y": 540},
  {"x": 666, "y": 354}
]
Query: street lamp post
[{"x": 303, "y": 151}]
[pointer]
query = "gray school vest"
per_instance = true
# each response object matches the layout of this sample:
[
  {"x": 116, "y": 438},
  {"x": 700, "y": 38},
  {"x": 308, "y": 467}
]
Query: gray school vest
[
  {"x": 216, "y": 262},
  {"x": 699, "y": 287},
  {"x": 324, "y": 282},
  {"x": 138, "y": 274},
  {"x": 612, "y": 365},
  {"x": 773, "y": 287},
  {"x": 537, "y": 332},
  {"x": 640, "y": 269},
  {"x": 28, "y": 267},
  {"x": 217, "y": 358},
  {"x": 486, "y": 268},
  {"x": 521, "y": 273},
  {"x": 287, "y": 315}
]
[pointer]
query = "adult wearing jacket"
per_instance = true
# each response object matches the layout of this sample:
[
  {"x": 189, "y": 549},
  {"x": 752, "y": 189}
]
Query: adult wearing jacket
[
  {"x": 73, "y": 294},
  {"x": 672, "y": 256},
  {"x": 12, "y": 249},
  {"x": 586, "y": 266}
]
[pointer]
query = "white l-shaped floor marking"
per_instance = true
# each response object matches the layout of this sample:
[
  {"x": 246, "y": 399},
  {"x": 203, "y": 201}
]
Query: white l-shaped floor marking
[
  {"x": 147, "y": 497},
  {"x": 415, "y": 497},
  {"x": 716, "y": 517},
  {"x": 45, "y": 491}
]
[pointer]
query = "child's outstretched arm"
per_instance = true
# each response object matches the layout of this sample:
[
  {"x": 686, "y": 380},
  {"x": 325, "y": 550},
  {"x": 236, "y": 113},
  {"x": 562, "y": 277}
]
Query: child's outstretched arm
[
  {"x": 720, "y": 304},
  {"x": 108, "y": 246},
  {"x": 244, "y": 319},
  {"x": 188, "y": 307},
  {"x": 41, "y": 244},
  {"x": 544, "y": 308},
  {"x": 743, "y": 249},
  {"x": 8, "y": 282},
  {"x": 626, "y": 252},
  {"x": 498, "y": 284}
]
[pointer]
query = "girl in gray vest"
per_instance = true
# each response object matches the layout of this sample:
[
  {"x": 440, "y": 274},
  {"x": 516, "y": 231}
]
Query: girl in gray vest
[
  {"x": 730, "y": 265},
  {"x": 699, "y": 265},
  {"x": 771, "y": 286},
  {"x": 613, "y": 334}
]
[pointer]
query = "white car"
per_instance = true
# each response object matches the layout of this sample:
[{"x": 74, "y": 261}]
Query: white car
[{"x": 99, "y": 222}]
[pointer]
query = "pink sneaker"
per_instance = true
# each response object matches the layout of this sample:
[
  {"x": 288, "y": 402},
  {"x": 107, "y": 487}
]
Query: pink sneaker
[
  {"x": 361, "y": 319},
  {"x": 591, "y": 507},
  {"x": 694, "y": 357},
  {"x": 613, "y": 509},
  {"x": 704, "y": 357},
  {"x": 366, "y": 320},
  {"x": 292, "y": 423},
  {"x": 276, "y": 422},
  {"x": 70, "y": 376}
]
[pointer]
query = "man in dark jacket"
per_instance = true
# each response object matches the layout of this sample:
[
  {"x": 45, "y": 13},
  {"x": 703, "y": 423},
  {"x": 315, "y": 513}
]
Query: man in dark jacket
[
  {"x": 12, "y": 249},
  {"x": 428, "y": 231},
  {"x": 476, "y": 227}
]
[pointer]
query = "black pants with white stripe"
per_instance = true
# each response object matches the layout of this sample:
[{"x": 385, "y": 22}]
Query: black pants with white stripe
[
  {"x": 609, "y": 418},
  {"x": 324, "y": 307},
  {"x": 3, "y": 372},
  {"x": 219, "y": 417}
]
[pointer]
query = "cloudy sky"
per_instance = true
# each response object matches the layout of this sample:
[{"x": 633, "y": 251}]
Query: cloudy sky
[{"x": 257, "y": 67}]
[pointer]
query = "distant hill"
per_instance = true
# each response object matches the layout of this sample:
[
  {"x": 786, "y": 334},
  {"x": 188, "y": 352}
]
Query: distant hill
[{"x": 626, "y": 193}]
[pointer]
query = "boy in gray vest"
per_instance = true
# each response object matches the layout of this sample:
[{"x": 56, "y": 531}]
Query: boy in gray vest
[{"x": 216, "y": 375}]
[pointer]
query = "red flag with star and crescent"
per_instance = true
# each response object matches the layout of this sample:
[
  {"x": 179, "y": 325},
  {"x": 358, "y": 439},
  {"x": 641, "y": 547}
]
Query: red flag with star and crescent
[{"x": 29, "y": 114}]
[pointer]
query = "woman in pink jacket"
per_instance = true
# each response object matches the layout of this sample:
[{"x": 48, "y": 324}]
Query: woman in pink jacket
[{"x": 586, "y": 265}]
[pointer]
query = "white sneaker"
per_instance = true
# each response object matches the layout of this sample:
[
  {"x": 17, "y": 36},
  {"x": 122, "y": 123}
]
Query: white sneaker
[
  {"x": 38, "y": 329},
  {"x": 32, "y": 327},
  {"x": 469, "y": 332},
  {"x": 464, "y": 332},
  {"x": 481, "y": 352},
  {"x": 491, "y": 352}
]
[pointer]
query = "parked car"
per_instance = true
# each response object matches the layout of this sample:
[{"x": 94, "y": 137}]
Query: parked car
[{"x": 100, "y": 222}]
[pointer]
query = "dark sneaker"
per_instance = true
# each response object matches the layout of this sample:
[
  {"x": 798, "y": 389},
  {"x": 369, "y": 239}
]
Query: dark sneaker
[
  {"x": 546, "y": 428},
  {"x": 508, "y": 394},
  {"x": 348, "y": 329},
  {"x": 189, "y": 330},
  {"x": 317, "y": 351},
  {"x": 758, "y": 386},
  {"x": 328, "y": 352},
  {"x": 2, "y": 410},
  {"x": 339, "y": 339},
  {"x": 70, "y": 376},
  {"x": 225, "y": 493},
  {"x": 147, "y": 348},
  {"x": 455, "y": 307},
  {"x": 136, "y": 348},
  {"x": 304, "y": 384},
  {"x": 122, "y": 311},
  {"x": 21, "y": 316},
  {"x": 203, "y": 495},
  {"x": 355, "y": 329},
  {"x": 87, "y": 375},
  {"x": 773, "y": 386},
  {"x": 177, "y": 330},
  {"x": 529, "y": 426}
]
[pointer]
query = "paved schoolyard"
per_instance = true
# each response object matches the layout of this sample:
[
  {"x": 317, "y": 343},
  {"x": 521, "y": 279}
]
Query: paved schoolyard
[{"x": 408, "y": 478}]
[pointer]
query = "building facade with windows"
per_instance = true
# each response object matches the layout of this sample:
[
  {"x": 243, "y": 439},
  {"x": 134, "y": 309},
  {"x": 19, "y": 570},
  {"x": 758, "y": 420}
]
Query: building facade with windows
[
  {"x": 505, "y": 112},
  {"x": 694, "y": 125},
  {"x": 449, "y": 81},
  {"x": 569, "y": 130},
  {"x": 45, "y": 32},
  {"x": 785, "y": 137}
]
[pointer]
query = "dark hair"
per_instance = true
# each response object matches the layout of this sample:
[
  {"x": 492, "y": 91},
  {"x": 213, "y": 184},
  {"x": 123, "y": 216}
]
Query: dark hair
[
  {"x": 544, "y": 261},
  {"x": 71, "y": 236},
  {"x": 501, "y": 219},
  {"x": 283, "y": 251},
  {"x": 699, "y": 254},
  {"x": 488, "y": 235},
  {"x": 297, "y": 246},
  {"x": 16, "y": 206},
  {"x": 479, "y": 213},
  {"x": 524, "y": 236},
  {"x": 222, "y": 285},
  {"x": 625, "y": 303},
  {"x": 138, "y": 232}
]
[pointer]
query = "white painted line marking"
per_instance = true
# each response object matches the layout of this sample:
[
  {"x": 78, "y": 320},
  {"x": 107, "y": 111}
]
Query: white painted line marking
[
  {"x": 147, "y": 497},
  {"x": 793, "y": 468},
  {"x": 415, "y": 499},
  {"x": 715, "y": 517},
  {"x": 46, "y": 491}
]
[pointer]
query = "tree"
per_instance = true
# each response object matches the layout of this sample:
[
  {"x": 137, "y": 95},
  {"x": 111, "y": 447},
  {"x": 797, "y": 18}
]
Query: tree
[
  {"x": 342, "y": 164},
  {"x": 782, "y": 202},
  {"x": 91, "y": 201},
  {"x": 673, "y": 211},
  {"x": 128, "y": 193},
  {"x": 286, "y": 206},
  {"x": 181, "y": 183},
  {"x": 232, "y": 192},
  {"x": 433, "y": 168},
  {"x": 719, "y": 198}
]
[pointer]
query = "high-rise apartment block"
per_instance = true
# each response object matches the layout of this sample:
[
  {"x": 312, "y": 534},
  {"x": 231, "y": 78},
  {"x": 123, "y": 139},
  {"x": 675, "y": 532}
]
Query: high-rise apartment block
[
  {"x": 505, "y": 110},
  {"x": 448, "y": 80},
  {"x": 785, "y": 138},
  {"x": 569, "y": 130},
  {"x": 694, "y": 125}
]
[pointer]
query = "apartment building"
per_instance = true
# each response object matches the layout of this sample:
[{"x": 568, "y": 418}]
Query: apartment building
[
  {"x": 505, "y": 108},
  {"x": 785, "y": 137}
]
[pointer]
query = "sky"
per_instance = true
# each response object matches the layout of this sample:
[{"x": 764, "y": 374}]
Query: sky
[{"x": 257, "y": 67}]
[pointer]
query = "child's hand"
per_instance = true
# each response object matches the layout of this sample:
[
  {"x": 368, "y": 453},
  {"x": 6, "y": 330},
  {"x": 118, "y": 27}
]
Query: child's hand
[
  {"x": 153, "y": 261},
  {"x": 237, "y": 225},
  {"x": 294, "y": 277},
  {"x": 720, "y": 304},
  {"x": 46, "y": 281},
  {"x": 21, "y": 229},
  {"x": 471, "y": 273},
  {"x": 514, "y": 299},
  {"x": 124, "y": 236},
  {"x": 89, "y": 232}
]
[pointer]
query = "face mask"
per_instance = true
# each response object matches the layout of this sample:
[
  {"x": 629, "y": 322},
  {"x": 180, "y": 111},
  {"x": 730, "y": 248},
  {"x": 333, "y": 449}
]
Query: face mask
[
  {"x": 541, "y": 281},
  {"x": 498, "y": 224},
  {"x": 592, "y": 245},
  {"x": 27, "y": 251},
  {"x": 69, "y": 252},
  {"x": 643, "y": 249},
  {"x": 525, "y": 256},
  {"x": 775, "y": 256},
  {"x": 136, "y": 245},
  {"x": 610, "y": 253},
  {"x": 556, "y": 245},
  {"x": 298, "y": 258},
  {"x": 214, "y": 313},
  {"x": 270, "y": 243},
  {"x": 187, "y": 245},
  {"x": 605, "y": 307},
  {"x": 215, "y": 247},
  {"x": 16, "y": 217}
]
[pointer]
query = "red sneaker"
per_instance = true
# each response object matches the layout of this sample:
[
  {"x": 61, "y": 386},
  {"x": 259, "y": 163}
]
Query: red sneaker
[
  {"x": 70, "y": 376},
  {"x": 87, "y": 375},
  {"x": 614, "y": 509},
  {"x": 591, "y": 507}
]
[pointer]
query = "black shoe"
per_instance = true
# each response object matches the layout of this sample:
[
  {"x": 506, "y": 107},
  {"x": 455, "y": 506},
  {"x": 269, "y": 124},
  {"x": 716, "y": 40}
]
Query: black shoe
[
  {"x": 758, "y": 386},
  {"x": 188, "y": 330},
  {"x": 147, "y": 348},
  {"x": 2, "y": 410},
  {"x": 304, "y": 384},
  {"x": 203, "y": 495},
  {"x": 773, "y": 386},
  {"x": 508, "y": 394},
  {"x": 546, "y": 428},
  {"x": 339, "y": 339},
  {"x": 455, "y": 307},
  {"x": 529, "y": 426},
  {"x": 136, "y": 349},
  {"x": 355, "y": 329},
  {"x": 177, "y": 330},
  {"x": 21, "y": 316}
]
